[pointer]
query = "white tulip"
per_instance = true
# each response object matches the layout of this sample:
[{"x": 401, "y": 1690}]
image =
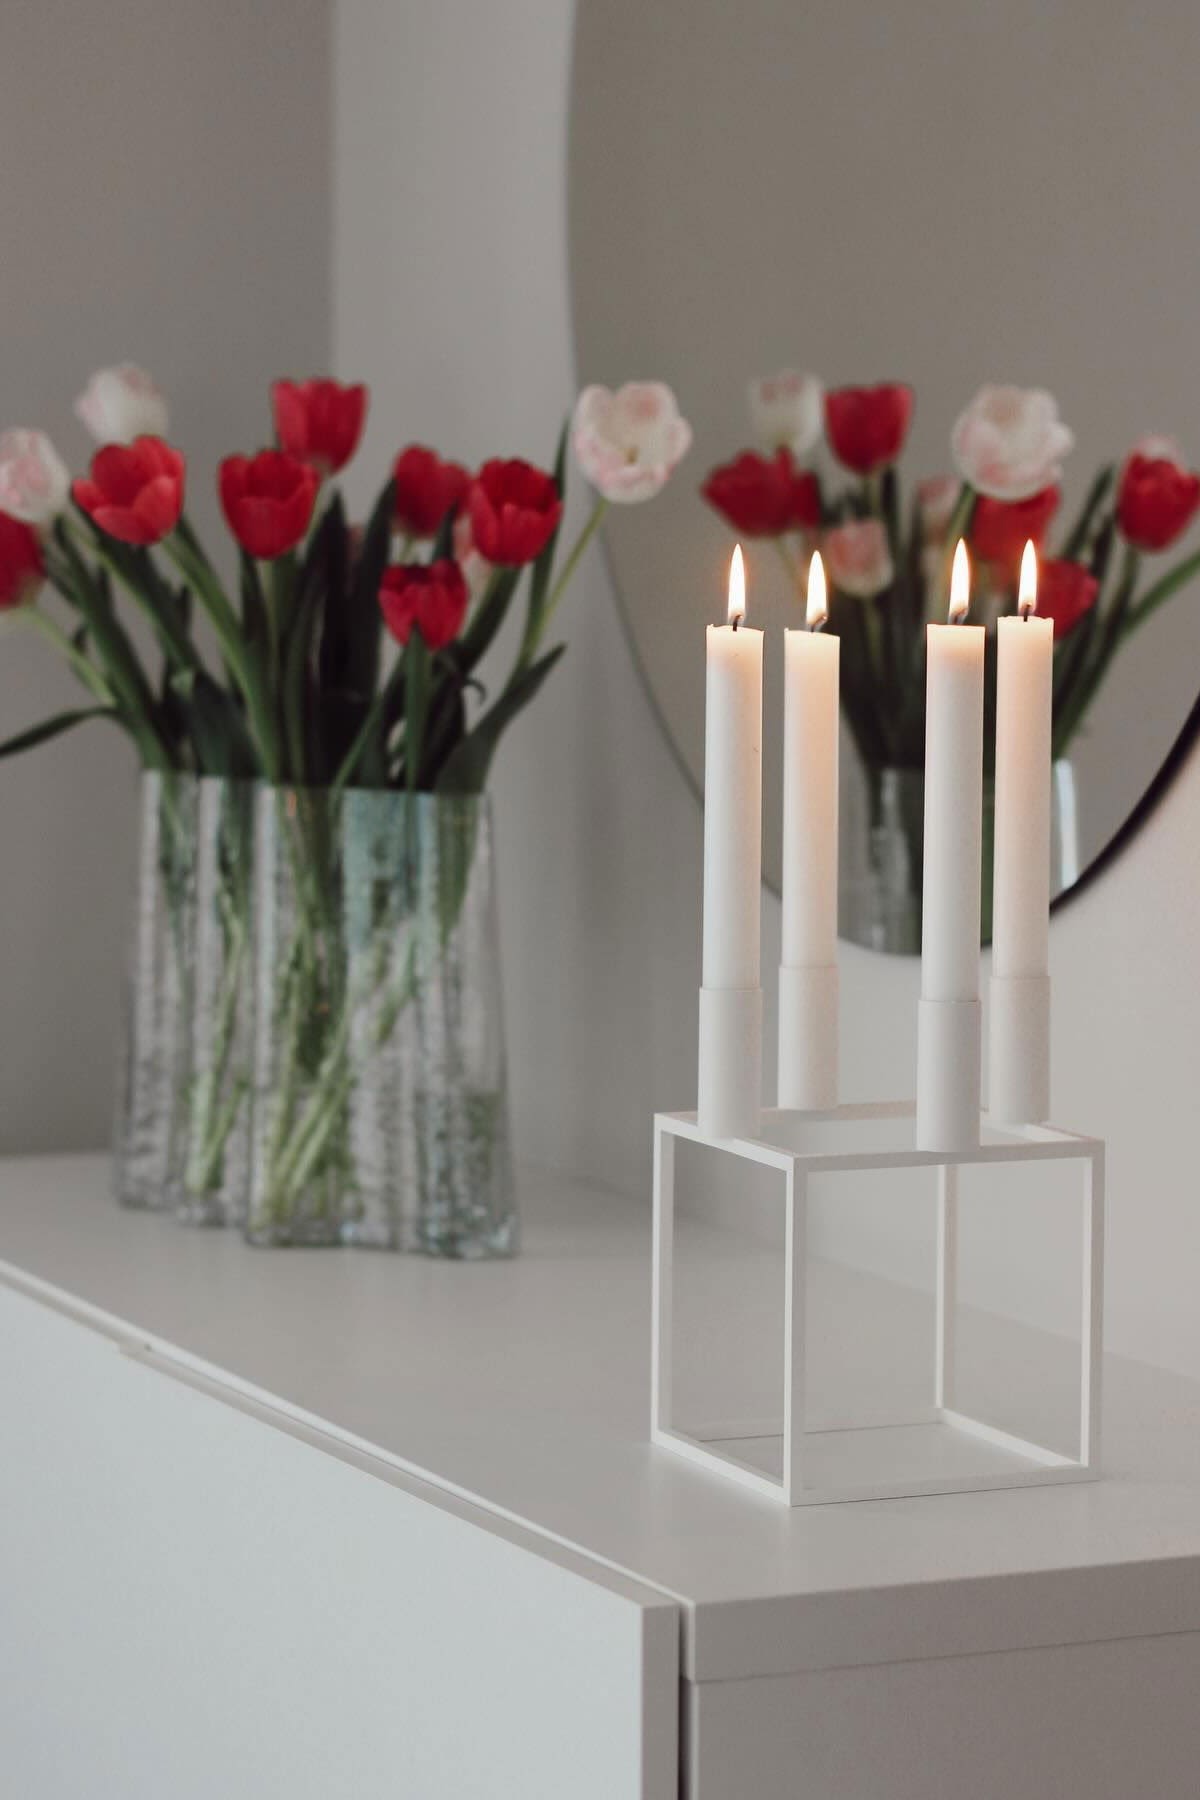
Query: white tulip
[
  {"x": 788, "y": 411},
  {"x": 35, "y": 483},
  {"x": 121, "y": 404},
  {"x": 628, "y": 443},
  {"x": 1010, "y": 442}
]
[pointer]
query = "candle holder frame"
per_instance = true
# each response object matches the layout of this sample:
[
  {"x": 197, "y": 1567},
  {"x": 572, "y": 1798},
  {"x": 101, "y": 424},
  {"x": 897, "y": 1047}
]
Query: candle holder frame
[{"x": 1018, "y": 1461}]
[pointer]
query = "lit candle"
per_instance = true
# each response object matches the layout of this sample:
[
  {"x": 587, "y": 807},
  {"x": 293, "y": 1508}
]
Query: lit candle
[
  {"x": 948, "y": 1038},
  {"x": 730, "y": 1064},
  {"x": 1019, "y": 1075},
  {"x": 808, "y": 975}
]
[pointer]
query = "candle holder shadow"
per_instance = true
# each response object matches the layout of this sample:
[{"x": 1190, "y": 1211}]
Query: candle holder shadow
[{"x": 801, "y": 1457}]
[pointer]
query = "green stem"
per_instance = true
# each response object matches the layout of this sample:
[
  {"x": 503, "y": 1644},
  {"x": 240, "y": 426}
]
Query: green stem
[
  {"x": 88, "y": 674},
  {"x": 1163, "y": 589},
  {"x": 416, "y": 707},
  {"x": 790, "y": 569},
  {"x": 127, "y": 680},
  {"x": 568, "y": 569},
  {"x": 369, "y": 727},
  {"x": 243, "y": 665}
]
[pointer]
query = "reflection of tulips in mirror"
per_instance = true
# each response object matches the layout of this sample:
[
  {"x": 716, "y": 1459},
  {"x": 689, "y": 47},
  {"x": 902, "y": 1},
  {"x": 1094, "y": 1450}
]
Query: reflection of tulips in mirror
[{"x": 888, "y": 559}]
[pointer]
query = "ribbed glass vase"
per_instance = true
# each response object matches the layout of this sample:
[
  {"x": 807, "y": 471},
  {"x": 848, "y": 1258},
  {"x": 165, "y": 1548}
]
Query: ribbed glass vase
[
  {"x": 213, "y": 1172},
  {"x": 380, "y": 1098},
  {"x": 152, "y": 1096},
  {"x": 881, "y": 857}
]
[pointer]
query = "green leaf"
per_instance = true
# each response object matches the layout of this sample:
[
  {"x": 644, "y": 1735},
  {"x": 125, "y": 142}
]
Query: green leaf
[
  {"x": 466, "y": 769},
  {"x": 216, "y": 725},
  {"x": 55, "y": 727},
  {"x": 480, "y": 634},
  {"x": 321, "y": 585},
  {"x": 254, "y": 606},
  {"x": 350, "y": 642},
  {"x": 443, "y": 543},
  {"x": 1077, "y": 539},
  {"x": 543, "y": 568}
]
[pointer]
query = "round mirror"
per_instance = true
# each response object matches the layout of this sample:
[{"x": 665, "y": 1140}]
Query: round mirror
[{"x": 945, "y": 197}]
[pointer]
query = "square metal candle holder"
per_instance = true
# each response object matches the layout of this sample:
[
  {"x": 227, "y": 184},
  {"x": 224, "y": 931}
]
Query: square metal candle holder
[{"x": 944, "y": 1450}]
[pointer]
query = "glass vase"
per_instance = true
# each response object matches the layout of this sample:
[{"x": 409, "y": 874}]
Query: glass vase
[
  {"x": 880, "y": 864},
  {"x": 881, "y": 857},
  {"x": 380, "y": 1103},
  {"x": 152, "y": 1095},
  {"x": 214, "y": 1172}
]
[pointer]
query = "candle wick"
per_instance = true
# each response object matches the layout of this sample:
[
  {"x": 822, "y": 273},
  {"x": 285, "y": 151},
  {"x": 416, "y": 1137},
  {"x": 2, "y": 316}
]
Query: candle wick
[{"x": 736, "y": 620}]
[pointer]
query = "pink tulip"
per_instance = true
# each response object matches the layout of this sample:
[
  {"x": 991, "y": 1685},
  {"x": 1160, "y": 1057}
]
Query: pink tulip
[
  {"x": 629, "y": 443},
  {"x": 858, "y": 559}
]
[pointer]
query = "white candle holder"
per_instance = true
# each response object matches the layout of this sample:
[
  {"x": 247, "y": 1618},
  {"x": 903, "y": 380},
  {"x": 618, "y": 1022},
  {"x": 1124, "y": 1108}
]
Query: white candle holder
[{"x": 943, "y": 1450}]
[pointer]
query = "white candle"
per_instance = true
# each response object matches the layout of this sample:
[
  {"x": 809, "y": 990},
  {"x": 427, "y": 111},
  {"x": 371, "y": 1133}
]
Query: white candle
[
  {"x": 948, "y": 1045},
  {"x": 730, "y": 1081},
  {"x": 1019, "y": 1078},
  {"x": 808, "y": 996}
]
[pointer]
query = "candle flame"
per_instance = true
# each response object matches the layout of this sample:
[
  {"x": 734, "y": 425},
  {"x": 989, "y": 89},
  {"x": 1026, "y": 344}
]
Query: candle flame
[
  {"x": 960, "y": 585},
  {"x": 737, "y": 587},
  {"x": 817, "y": 609},
  {"x": 1027, "y": 589}
]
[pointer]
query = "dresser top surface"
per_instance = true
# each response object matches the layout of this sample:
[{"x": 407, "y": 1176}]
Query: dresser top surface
[{"x": 524, "y": 1386}]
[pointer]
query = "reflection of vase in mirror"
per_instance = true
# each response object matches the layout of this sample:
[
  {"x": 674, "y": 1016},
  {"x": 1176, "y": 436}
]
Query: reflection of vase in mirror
[{"x": 882, "y": 825}]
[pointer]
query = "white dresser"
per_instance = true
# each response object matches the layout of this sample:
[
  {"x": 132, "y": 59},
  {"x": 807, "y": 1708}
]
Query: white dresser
[{"x": 319, "y": 1524}]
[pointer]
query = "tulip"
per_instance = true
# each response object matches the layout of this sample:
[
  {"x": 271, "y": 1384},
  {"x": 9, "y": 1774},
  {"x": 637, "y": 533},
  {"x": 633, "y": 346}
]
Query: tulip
[
  {"x": 1157, "y": 497},
  {"x": 426, "y": 490},
  {"x": 319, "y": 421},
  {"x": 432, "y": 598},
  {"x": 866, "y": 427},
  {"x": 628, "y": 444},
  {"x": 787, "y": 410},
  {"x": 267, "y": 500},
  {"x": 858, "y": 559},
  {"x": 764, "y": 496},
  {"x": 514, "y": 510},
  {"x": 22, "y": 567},
  {"x": 1010, "y": 442},
  {"x": 1066, "y": 592},
  {"x": 121, "y": 404},
  {"x": 1000, "y": 529},
  {"x": 134, "y": 492},
  {"x": 34, "y": 481}
]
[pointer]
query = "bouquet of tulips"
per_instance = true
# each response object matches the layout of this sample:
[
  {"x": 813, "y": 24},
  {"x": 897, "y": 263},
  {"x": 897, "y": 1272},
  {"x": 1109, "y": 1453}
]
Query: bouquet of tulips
[
  {"x": 300, "y": 694},
  {"x": 340, "y": 658},
  {"x": 887, "y": 558}
]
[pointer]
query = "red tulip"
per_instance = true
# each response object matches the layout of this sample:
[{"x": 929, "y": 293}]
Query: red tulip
[
  {"x": 1000, "y": 529},
  {"x": 426, "y": 489},
  {"x": 320, "y": 421},
  {"x": 267, "y": 500},
  {"x": 21, "y": 563},
  {"x": 1156, "y": 500},
  {"x": 433, "y": 598},
  {"x": 763, "y": 496},
  {"x": 866, "y": 427},
  {"x": 1066, "y": 592},
  {"x": 514, "y": 510},
  {"x": 135, "y": 491}
]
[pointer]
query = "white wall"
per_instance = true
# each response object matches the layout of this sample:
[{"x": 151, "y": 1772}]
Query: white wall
[
  {"x": 450, "y": 296},
  {"x": 166, "y": 199}
]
